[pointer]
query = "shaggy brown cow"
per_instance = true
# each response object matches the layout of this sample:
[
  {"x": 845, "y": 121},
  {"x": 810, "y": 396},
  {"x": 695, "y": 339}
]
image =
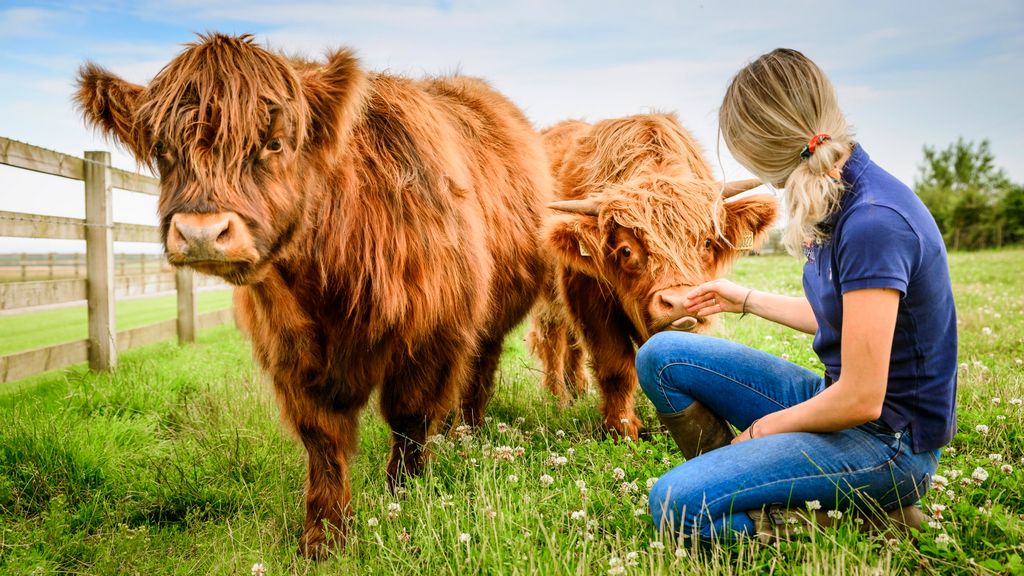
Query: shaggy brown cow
[
  {"x": 382, "y": 232},
  {"x": 648, "y": 222}
]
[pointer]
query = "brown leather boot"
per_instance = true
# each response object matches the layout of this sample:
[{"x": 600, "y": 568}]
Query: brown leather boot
[
  {"x": 697, "y": 429},
  {"x": 777, "y": 522}
]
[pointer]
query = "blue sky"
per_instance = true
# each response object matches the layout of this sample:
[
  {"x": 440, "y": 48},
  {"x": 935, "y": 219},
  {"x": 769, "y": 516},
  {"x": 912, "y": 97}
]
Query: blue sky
[{"x": 908, "y": 73}]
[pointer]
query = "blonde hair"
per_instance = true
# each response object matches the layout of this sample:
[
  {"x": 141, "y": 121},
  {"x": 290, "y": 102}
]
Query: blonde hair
[{"x": 770, "y": 111}]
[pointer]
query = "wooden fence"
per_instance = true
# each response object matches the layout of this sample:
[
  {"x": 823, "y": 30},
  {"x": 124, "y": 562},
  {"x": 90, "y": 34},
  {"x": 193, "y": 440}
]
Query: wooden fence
[{"x": 100, "y": 286}]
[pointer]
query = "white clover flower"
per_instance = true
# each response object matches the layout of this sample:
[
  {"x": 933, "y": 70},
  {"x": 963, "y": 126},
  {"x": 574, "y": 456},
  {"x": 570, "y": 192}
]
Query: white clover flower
[
  {"x": 578, "y": 514},
  {"x": 638, "y": 512},
  {"x": 813, "y": 505},
  {"x": 618, "y": 473},
  {"x": 951, "y": 495},
  {"x": 632, "y": 558},
  {"x": 465, "y": 537},
  {"x": 651, "y": 482},
  {"x": 520, "y": 420},
  {"x": 1000, "y": 418},
  {"x": 666, "y": 462},
  {"x": 680, "y": 552},
  {"x": 404, "y": 535},
  {"x": 1016, "y": 401},
  {"x": 502, "y": 427},
  {"x": 436, "y": 439},
  {"x": 546, "y": 480},
  {"x": 1018, "y": 361},
  {"x": 963, "y": 365},
  {"x": 490, "y": 514},
  {"x": 996, "y": 400},
  {"x": 615, "y": 561},
  {"x": 570, "y": 451},
  {"x": 519, "y": 451},
  {"x": 949, "y": 450},
  {"x": 981, "y": 429},
  {"x": 835, "y": 514},
  {"x": 937, "y": 510},
  {"x": 394, "y": 508},
  {"x": 615, "y": 570},
  {"x": 954, "y": 474},
  {"x": 986, "y": 331},
  {"x": 993, "y": 458},
  {"x": 371, "y": 522},
  {"x": 657, "y": 545},
  {"x": 939, "y": 482},
  {"x": 979, "y": 475},
  {"x": 943, "y": 540},
  {"x": 258, "y": 569},
  {"x": 769, "y": 337},
  {"x": 504, "y": 453},
  {"x": 513, "y": 479},
  {"x": 934, "y": 524},
  {"x": 1006, "y": 469},
  {"x": 560, "y": 433}
]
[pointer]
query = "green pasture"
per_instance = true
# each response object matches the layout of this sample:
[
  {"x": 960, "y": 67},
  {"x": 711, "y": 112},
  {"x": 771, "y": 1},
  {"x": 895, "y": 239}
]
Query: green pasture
[
  {"x": 34, "y": 329},
  {"x": 177, "y": 464}
]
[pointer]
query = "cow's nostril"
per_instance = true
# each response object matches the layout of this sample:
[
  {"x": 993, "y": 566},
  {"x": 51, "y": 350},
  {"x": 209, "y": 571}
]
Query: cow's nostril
[{"x": 225, "y": 234}]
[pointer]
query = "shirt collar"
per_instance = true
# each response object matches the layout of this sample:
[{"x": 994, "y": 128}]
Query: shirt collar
[{"x": 855, "y": 165}]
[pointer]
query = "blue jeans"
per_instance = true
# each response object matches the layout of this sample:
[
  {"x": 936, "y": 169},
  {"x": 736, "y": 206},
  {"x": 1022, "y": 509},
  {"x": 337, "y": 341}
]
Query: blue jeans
[{"x": 708, "y": 496}]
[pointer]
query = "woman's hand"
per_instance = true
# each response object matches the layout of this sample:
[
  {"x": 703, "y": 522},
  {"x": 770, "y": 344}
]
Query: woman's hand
[{"x": 716, "y": 296}]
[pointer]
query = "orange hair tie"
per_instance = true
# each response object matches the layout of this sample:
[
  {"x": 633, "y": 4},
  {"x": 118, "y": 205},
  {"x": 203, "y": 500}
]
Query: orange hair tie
[{"x": 812, "y": 144}]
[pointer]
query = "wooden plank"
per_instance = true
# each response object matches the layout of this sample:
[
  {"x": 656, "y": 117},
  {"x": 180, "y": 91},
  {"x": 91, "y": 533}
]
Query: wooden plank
[
  {"x": 215, "y": 318},
  {"x": 99, "y": 250},
  {"x": 29, "y": 157},
  {"x": 24, "y": 294},
  {"x": 21, "y": 225},
  {"x": 186, "y": 290},
  {"x": 136, "y": 233},
  {"x": 149, "y": 334},
  {"x": 142, "y": 284},
  {"x": 30, "y": 362},
  {"x": 134, "y": 182}
]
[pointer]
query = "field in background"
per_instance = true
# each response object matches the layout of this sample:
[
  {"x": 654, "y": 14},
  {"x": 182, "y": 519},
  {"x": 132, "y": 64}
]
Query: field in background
[{"x": 177, "y": 464}]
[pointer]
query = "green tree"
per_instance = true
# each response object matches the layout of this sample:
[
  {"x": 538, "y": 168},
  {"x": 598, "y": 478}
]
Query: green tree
[{"x": 971, "y": 199}]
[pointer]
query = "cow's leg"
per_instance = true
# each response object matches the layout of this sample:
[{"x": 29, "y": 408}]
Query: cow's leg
[
  {"x": 548, "y": 341},
  {"x": 574, "y": 367},
  {"x": 416, "y": 397},
  {"x": 481, "y": 383},
  {"x": 605, "y": 330}
]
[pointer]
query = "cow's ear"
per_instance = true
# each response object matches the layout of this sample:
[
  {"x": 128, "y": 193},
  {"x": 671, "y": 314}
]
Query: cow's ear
[
  {"x": 575, "y": 241},
  {"x": 336, "y": 95},
  {"x": 749, "y": 219},
  {"x": 109, "y": 103}
]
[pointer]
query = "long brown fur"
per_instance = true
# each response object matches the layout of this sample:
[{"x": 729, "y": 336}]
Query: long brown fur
[
  {"x": 397, "y": 229},
  {"x": 658, "y": 197}
]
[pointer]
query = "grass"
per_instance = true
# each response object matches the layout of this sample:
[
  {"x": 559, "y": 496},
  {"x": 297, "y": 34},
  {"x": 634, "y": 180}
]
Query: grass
[
  {"x": 176, "y": 464},
  {"x": 46, "y": 327}
]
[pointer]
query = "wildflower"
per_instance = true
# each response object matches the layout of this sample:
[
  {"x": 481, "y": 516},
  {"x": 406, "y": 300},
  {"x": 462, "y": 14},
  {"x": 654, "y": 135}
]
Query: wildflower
[
  {"x": 680, "y": 552},
  {"x": 949, "y": 450},
  {"x": 1006, "y": 469},
  {"x": 519, "y": 451},
  {"x": 465, "y": 538},
  {"x": 628, "y": 487},
  {"x": 512, "y": 479},
  {"x": 1016, "y": 401},
  {"x": 463, "y": 431},
  {"x": 954, "y": 474},
  {"x": 943, "y": 540},
  {"x": 619, "y": 474},
  {"x": 638, "y": 512},
  {"x": 490, "y": 514},
  {"x": 984, "y": 511},
  {"x": 436, "y": 439},
  {"x": 892, "y": 542},
  {"x": 993, "y": 458},
  {"x": 258, "y": 569},
  {"x": 570, "y": 451},
  {"x": 981, "y": 429},
  {"x": 616, "y": 570},
  {"x": 666, "y": 462},
  {"x": 1000, "y": 418},
  {"x": 937, "y": 510},
  {"x": 813, "y": 505},
  {"x": 371, "y": 522},
  {"x": 986, "y": 331},
  {"x": 785, "y": 356},
  {"x": 556, "y": 461},
  {"x": 657, "y": 545},
  {"x": 963, "y": 365},
  {"x": 1018, "y": 361},
  {"x": 560, "y": 433},
  {"x": 996, "y": 400},
  {"x": 935, "y": 524},
  {"x": 447, "y": 500},
  {"x": 835, "y": 514},
  {"x": 504, "y": 453},
  {"x": 858, "y": 521},
  {"x": 769, "y": 337},
  {"x": 615, "y": 566},
  {"x": 393, "y": 510},
  {"x": 578, "y": 514},
  {"x": 979, "y": 475},
  {"x": 939, "y": 482},
  {"x": 546, "y": 480},
  {"x": 632, "y": 558},
  {"x": 651, "y": 482},
  {"x": 951, "y": 495},
  {"x": 520, "y": 420},
  {"x": 404, "y": 535}
]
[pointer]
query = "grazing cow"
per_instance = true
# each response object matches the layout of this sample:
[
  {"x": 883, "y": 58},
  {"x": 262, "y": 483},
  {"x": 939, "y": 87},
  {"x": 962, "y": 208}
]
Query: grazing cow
[
  {"x": 646, "y": 222},
  {"x": 382, "y": 233}
]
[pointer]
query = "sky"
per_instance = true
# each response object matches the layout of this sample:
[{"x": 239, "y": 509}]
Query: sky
[{"x": 908, "y": 74}]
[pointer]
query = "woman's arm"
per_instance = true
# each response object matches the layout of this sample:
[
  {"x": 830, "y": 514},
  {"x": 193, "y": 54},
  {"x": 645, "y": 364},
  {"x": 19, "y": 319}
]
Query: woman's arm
[
  {"x": 869, "y": 321},
  {"x": 724, "y": 296}
]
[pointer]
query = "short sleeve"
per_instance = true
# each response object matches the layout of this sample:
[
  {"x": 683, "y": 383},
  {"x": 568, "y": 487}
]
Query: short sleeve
[{"x": 877, "y": 248}]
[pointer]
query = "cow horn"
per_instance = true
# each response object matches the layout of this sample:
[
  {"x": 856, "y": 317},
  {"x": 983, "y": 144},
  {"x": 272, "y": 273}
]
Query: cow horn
[
  {"x": 730, "y": 189},
  {"x": 588, "y": 206}
]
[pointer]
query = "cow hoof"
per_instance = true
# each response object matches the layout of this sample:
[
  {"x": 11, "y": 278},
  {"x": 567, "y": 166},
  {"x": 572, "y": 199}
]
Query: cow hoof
[{"x": 317, "y": 544}]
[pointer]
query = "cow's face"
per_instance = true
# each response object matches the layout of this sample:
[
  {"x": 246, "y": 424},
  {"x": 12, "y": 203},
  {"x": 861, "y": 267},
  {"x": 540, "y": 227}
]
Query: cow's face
[
  {"x": 228, "y": 127},
  {"x": 654, "y": 239}
]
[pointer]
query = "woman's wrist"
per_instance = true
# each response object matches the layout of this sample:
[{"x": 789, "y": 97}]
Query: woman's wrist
[{"x": 745, "y": 307}]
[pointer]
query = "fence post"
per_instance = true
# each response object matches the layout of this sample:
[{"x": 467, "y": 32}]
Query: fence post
[
  {"x": 184, "y": 284},
  {"x": 99, "y": 261}
]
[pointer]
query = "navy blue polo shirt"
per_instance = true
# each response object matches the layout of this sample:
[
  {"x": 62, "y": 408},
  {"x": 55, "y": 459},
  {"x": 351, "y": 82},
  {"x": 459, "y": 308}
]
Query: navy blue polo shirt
[{"x": 882, "y": 236}]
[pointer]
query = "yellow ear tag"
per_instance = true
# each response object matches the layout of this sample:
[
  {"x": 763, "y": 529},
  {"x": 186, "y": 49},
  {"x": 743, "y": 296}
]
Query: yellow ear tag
[
  {"x": 583, "y": 251},
  {"x": 746, "y": 241}
]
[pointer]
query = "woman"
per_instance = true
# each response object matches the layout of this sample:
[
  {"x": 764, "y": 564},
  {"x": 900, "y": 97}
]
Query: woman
[{"x": 878, "y": 299}]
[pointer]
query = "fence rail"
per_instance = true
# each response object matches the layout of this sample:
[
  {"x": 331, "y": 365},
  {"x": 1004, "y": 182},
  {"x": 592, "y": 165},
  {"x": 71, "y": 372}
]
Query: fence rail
[{"x": 101, "y": 286}]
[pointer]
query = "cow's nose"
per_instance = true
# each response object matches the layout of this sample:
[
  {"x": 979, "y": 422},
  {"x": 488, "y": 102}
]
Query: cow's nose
[
  {"x": 671, "y": 304},
  {"x": 220, "y": 237}
]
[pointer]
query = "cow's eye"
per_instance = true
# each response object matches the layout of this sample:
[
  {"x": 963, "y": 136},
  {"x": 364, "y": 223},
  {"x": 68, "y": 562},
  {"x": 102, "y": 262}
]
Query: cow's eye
[
  {"x": 707, "y": 243},
  {"x": 274, "y": 145},
  {"x": 159, "y": 149},
  {"x": 626, "y": 252}
]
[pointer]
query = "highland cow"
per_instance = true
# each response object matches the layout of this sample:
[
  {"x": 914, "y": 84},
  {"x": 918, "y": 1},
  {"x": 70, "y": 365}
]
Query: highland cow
[
  {"x": 382, "y": 233},
  {"x": 644, "y": 222}
]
